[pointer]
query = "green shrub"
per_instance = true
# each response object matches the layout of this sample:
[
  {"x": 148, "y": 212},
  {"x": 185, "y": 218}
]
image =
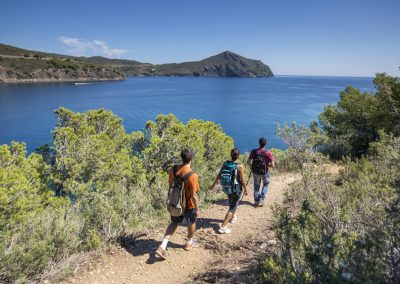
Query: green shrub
[
  {"x": 93, "y": 185},
  {"x": 284, "y": 161},
  {"x": 23, "y": 185},
  {"x": 31, "y": 247},
  {"x": 354, "y": 122},
  {"x": 163, "y": 139},
  {"x": 341, "y": 228}
]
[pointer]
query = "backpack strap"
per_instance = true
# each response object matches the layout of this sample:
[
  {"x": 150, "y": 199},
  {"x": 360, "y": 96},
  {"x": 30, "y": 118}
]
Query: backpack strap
[
  {"x": 188, "y": 175},
  {"x": 264, "y": 152},
  {"x": 223, "y": 166},
  {"x": 238, "y": 175},
  {"x": 175, "y": 170}
]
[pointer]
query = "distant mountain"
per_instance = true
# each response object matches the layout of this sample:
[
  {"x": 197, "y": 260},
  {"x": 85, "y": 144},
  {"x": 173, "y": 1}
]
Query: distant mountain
[
  {"x": 21, "y": 65},
  {"x": 226, "y": 64}
]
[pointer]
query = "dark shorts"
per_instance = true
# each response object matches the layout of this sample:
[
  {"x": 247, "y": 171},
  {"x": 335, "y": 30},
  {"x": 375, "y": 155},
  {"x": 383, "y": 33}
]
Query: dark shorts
[
  {"x": 187, "y": 219},
  {"x": 233, "y": 202}
]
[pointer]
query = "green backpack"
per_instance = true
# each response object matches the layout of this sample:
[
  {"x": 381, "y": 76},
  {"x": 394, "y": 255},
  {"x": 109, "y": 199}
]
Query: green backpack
[{"x": 228, "y": 178}]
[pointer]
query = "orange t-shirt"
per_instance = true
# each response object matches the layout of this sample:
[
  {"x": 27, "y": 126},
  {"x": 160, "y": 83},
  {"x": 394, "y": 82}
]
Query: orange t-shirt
[{"x": 191, "y": 184}]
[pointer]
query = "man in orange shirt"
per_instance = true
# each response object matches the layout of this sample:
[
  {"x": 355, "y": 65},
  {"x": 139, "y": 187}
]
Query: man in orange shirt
[{"x": 191, "y": 187}]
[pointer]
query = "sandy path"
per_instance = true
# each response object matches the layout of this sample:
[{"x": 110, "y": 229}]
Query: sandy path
[{"x": 219, "y": 256}]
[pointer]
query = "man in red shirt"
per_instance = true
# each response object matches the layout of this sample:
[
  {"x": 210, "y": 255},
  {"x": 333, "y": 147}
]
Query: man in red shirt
[{"x": 260, "y": 160}]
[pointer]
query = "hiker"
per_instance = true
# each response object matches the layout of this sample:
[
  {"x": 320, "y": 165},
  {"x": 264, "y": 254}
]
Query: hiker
[
  {"x": 182, "y": 203},
  {"x": 231, "y": 177},
  {"x": 259, "y": 161}
]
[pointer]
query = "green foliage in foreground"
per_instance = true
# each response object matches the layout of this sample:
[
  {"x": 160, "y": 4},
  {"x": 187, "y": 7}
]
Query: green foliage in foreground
[
  {"x": 339, "y": 228},
  {"x": 357, "y": 118},
  {"x": 23, "y": 186},
  {"x": 92, "y": 185}
]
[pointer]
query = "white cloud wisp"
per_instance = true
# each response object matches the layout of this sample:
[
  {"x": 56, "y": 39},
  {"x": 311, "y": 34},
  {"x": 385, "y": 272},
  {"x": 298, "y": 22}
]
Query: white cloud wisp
[{"x": 85, "y": 47}]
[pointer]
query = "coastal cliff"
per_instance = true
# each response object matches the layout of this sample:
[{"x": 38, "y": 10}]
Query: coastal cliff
[
  {"x": 20, "y": 65},
  {"x": 61, "y": 75}
]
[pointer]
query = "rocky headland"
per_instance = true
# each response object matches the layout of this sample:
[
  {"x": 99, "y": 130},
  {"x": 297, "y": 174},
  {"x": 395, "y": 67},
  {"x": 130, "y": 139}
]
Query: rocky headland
[{"x": 24, "y": 66}]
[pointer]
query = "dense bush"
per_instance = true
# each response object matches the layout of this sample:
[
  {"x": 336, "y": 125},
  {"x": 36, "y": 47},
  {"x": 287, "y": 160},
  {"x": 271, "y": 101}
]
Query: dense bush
[
  {"x": 23, "y": 185},
  {"x": 343, "y": 227},
  {"x": 92, "y": 185},
  {"x": 337, "y": 228},
  {"x": 356, "y": 119},
  {"x": 284, "y": 161},
  {"x": 160, "y": 144},
  {"x": 44, "y": 241}
]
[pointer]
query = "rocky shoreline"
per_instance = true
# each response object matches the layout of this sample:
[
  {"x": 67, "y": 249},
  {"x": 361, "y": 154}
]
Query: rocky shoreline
[
  {"x": 38, "y": 81},
  {"x": 59, "y": 75}
]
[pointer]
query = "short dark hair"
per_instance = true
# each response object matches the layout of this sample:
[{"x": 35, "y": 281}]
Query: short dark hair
[
  {"x": 186, "y": 155},
  {"x": 235, "y": 153},
  {"x": 263, "y": 141}
]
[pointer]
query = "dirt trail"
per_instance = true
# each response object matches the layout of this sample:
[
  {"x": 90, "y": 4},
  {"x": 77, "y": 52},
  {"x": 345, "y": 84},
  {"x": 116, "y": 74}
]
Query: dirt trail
[{"x": 220, "y": 258}]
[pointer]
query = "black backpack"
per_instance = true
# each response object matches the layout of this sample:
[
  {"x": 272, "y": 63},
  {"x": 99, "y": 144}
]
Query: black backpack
[
  {"x": 176, "y": 201},
  {"x": 259, "y": 166}
]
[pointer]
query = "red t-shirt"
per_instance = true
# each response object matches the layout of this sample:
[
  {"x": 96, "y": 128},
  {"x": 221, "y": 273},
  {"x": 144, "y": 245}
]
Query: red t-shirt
[{"x": 267, "y": 155}]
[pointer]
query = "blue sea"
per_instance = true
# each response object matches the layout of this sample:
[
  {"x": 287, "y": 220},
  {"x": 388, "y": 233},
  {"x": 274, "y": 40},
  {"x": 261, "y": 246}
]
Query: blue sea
[{"x": 246, "y": 108}]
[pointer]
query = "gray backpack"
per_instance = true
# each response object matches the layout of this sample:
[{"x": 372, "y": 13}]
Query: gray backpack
[{"x": 176, "y": 200}]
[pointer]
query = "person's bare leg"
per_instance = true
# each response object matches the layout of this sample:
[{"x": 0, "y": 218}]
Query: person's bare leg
[
  {"x": 228, "y": 217},
  {"x": 190, "y": 244},
  {"x": 191, "y": 230},
  {"x": 170, "y": 230},
  {"x": 161, "y": 251}
]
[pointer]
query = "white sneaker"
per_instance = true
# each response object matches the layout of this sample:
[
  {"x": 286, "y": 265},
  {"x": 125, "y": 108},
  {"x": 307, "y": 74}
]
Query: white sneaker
[
  {"x": 225, "y": 230},
  {"x": 234, "y": 219}
]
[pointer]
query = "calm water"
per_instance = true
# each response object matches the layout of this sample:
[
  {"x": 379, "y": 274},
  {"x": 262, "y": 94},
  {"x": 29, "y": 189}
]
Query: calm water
[{"x": 245, "y": 107}]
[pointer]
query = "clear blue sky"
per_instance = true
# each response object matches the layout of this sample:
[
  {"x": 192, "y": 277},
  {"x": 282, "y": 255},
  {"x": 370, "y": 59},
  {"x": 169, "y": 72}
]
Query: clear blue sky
[{"x": 310, "y": 37}]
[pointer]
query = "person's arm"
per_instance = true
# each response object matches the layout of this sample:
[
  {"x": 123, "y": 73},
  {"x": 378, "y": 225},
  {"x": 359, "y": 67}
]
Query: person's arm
[
  {"x": 195, "y": 200},
  {"x": 215, "y": 182},
  {"x": 194, "y": 188},
  {"x": 271, "y": 163},
  {"x": 249, "y": 162},
  {"x": 250, "y": 159},
  {"x": 242, "y": 179}
]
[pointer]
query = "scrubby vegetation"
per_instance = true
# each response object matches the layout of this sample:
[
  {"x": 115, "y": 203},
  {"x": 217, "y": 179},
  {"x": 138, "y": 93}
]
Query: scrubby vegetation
[
  {"x": 92, "y": 185},
  {"x": 343, "y": 227},
  {"x": 356, "y": 119},
  {"x": 95, "y": 183}
]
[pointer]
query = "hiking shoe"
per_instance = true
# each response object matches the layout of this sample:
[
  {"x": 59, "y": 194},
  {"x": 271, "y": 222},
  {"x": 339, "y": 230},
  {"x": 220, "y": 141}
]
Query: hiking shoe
[
  {"x": 225, "y": 230},
  {"x": 234, "y": 219},
  {"x": 192, "y": 245},
  {"x": 162, "y": 253}
]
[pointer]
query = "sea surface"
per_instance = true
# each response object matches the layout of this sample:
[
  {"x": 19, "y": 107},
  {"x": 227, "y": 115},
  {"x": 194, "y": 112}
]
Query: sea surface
[{"x": 246, "y": 108}]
